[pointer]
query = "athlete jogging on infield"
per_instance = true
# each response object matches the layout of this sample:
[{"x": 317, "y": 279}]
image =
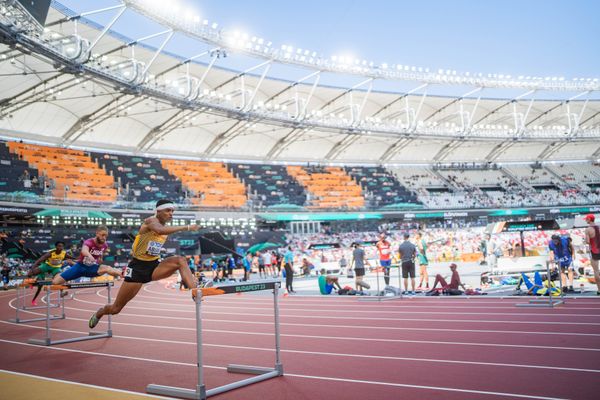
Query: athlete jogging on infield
[{"x": 144, "y": 265}]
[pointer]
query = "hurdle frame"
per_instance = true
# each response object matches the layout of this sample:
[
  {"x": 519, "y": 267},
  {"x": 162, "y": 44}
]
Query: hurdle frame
[
  {"x": 47, "y": 340},
  {"x": 378, "y": 297},
  {"x": 550, "y": 302},
  {"x": 262, "y": 373},
  {"x": 21, "y": 294}
]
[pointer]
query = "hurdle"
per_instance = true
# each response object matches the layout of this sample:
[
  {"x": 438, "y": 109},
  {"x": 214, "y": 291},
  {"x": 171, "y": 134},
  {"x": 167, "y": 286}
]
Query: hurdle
[
  {"x": 379, "y": 297},
  {"x": 21, "y": 294},
  {"x": 262, "y": 373},
  {"x": 550, "y": 302},
  {"x": 47, "y": 340}
]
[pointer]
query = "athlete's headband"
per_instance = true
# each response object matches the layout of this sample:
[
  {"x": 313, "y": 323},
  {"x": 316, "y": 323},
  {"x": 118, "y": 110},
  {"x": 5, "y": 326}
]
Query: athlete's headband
[{"x": 165, "y": 206}]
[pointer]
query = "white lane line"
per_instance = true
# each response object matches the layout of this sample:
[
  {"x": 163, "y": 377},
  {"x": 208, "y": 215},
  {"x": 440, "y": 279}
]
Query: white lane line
[
  {"x": 359, "y": 339},
  {"x": 354, "y": 318},
  {"x": 210, "y": 304},
  {"x": 291, "y": 375},
  {"x": 317, "y": 299},
  {"x": 87, "y": 385},
  {"x": 318, "y": 325},
  {"x": 313, "y": 298}
]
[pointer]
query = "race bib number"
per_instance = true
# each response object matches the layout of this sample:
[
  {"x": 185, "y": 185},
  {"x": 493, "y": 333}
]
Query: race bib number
[
  {"x": 385, "y": 251},
  {"x": 128, "y": 272},
  {"x": 153, "y": 248}
]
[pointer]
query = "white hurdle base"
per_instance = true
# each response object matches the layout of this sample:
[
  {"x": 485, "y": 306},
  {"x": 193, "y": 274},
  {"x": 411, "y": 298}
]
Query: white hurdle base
[
  {"x": 50, "y": 342},
  {"x": 378, "y": 298},
  {"x": 47, "y": 339},
  {"x": 540, "y": 303},
  {"x": 201, "y": 393}
]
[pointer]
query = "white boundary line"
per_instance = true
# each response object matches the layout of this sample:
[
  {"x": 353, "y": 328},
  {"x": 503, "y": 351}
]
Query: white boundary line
[
  {"x": 297, "y": 375},
  {"x": 87, "y": 385}
]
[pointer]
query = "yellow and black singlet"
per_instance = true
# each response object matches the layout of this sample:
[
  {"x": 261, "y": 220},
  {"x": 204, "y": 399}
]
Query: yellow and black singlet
[
  {"x": 147, "y": 246},
  {"x": 56, "y": 259}
]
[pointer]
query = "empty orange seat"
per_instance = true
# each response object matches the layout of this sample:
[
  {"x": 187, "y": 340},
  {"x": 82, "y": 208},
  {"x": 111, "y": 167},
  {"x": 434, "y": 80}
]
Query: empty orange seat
[
  {"x": 67, "y": 167},
  {"x": 213, "y": 184},
  {"x": 331, "y": 187}
]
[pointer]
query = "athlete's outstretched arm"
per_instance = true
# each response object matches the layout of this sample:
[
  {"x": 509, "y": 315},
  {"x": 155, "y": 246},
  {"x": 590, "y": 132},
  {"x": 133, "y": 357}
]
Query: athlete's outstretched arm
[{"x": 154, "y": 225}]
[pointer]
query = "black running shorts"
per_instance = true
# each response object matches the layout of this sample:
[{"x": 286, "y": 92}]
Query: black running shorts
[
  {"x": 595, "y": 256},
  {"x": 140, "y": 271},
  {"x": 408, "y": 268}
]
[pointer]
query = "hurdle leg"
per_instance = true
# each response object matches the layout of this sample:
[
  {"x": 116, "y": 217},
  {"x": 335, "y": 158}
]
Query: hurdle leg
[
  {"x": 46, "y": 341},
  {"x": 109, "y": 330},
  {"x": 18, "y": 306},
  {"x": 377, "y": 297},
  {"x": 400, "y": 280},
  {"x": 278, "y": 365}
]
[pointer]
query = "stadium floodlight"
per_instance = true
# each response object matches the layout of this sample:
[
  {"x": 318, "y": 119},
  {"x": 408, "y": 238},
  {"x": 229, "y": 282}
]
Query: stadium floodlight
[{"x": 168, "y": 16}]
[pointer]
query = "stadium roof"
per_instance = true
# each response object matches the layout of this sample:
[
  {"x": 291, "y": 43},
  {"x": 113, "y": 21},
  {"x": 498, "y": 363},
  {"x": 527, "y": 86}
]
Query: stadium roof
[{"x": 72, "y": 85}]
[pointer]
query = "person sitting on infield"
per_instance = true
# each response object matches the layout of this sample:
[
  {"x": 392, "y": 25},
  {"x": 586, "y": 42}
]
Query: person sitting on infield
[
  {"x": 145, "y": 265},
  {"x": 49, "y": 263},
  {"x": 89, "y": 263},
  {"x": 454, "y": 281},
  {"x": 328, "y": 282}
]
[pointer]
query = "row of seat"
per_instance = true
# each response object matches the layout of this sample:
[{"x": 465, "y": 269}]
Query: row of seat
[
  {"x": 330, "y": 187},
  {"x": 15, "y": 174},
  {"x": 212, "y": 184},
  {"x": 75, "y": 175},
  {"x": 383, "y": 187},
  {"x": 271, "y": 185}
]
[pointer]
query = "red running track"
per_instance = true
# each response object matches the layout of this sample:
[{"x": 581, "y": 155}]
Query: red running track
[{"x": 332, "y": 347}]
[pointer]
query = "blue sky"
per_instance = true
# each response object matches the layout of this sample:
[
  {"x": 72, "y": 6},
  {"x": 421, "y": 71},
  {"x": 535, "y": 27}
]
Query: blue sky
[{"x": 517, "y": 37}]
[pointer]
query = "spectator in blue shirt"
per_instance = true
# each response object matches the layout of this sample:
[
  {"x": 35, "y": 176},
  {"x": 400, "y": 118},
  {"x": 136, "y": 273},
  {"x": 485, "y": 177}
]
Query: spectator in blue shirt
[
  {"x": 247, "y": 262},
  {"x": 288, "y": 259},
  {"x": 561, "y": 252}
]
